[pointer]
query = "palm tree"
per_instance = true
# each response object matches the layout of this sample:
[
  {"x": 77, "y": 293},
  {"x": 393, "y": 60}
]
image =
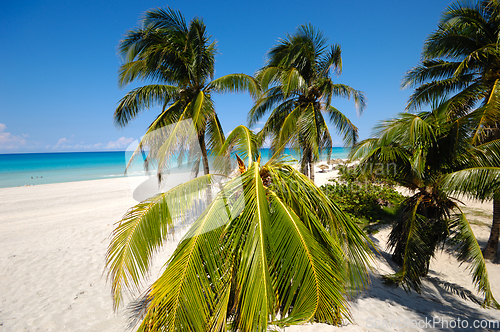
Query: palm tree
[
  {"x": 423, "y": 149},
  {"x": 298, "y": 91},
  {"x": 180, "y": 58},
  {"x": 461, "y": 58},
  {"x": 270, "y": 249}
]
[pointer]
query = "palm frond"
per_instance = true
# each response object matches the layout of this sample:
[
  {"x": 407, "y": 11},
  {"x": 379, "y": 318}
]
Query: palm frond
[
  {"x": 269, "y": 99},
  {"x": 268, "y": 76},
  {"x": 322, "y": 216},
  {"x": 256, "y": 298},
  {"x": 215, "y": 134},
  {"x": 469, "y": 251},
  {"x": 165, "y": 18},
  {"x": 173, "y": 141},
  {"x": 144, "y": 228},
  {"x": 311, "y": 286},
  {"x": 288, "y": 130},
  {"x": 156, "y": 134},
  {"x": 428, "y": 70},
  {"x": 344, "y": 126},
  {"x": 488, "y": 115},
  {"x": 427, "y": 92},
  {"x": 477, "y": 182},
  {"x": 332, "y": 59},
  {"x": 236, "y": 83},
  {"x": 184, "y": 296},
  {"x": 345, "y": 91},
  {"x": 411, "y": 249},
  {"x": 291, "y": 81},
  {"x": 142, "y": 98},
  {"x": 243, "y": 141}
]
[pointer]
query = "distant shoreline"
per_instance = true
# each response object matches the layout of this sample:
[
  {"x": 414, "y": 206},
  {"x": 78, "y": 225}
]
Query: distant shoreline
[
  {"x": 109, "y": 151},
  {"x": 60, "y": 152}
]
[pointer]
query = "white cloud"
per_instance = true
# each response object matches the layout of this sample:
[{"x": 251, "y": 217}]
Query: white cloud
[
  {"x": 9, "y": 141},
  {"x": 122, "y": 142},
  {"x": 69, "y": 145},
  {"x": 62, "y": 142}
]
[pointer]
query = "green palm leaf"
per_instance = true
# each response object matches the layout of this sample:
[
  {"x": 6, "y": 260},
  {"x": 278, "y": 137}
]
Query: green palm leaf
[
  {"x": 413, "y": 250},
  {"x": 142, "y": 231},
  {"x": 344, "y": 126},
  {"x": 184, "y": 297},
  {"x": 236, "y": 83},
  {"x": 310, "y": 284},
  {"x": 157, "y": 133},
  {"x": 141, "y": 98},
  {"x": 243, "y": 141},
  {"x": 469, "y": 251},
  {"x": 292, "y": 81},
  {"x": 256, "y": 297}
]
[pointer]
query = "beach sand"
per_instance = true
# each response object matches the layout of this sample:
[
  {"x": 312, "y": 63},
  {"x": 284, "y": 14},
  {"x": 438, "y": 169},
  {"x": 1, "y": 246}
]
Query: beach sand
[{"x": 53, "y": 242}]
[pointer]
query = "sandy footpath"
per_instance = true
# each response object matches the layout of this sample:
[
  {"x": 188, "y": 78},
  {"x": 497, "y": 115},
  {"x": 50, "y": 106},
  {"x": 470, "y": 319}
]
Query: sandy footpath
[{"x": 53, "y": 240}]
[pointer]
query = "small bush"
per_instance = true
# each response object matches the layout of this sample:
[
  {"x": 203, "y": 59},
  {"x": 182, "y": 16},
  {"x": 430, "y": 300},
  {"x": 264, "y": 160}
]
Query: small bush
[
  {"x": 356, "y": 175},
  {"x": 366, "y": 203}
]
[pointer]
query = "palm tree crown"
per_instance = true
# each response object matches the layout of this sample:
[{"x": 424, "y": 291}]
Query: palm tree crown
[
  {"x": 298, "y": 90},
  {"x": 461, "y": 59},
  {"x": 270, "y": 249},
  {"x": 180, "y": 57}
]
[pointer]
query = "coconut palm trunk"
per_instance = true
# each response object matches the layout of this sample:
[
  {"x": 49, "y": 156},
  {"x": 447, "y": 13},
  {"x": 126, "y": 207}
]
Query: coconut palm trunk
[
  {"x": 491, "y": 248},
  {"x": 204, "y": 153},
  {"x": 307, "y": 166},
  {"x": 490, "y": 251},
  {"x": 310, "y": 165}
]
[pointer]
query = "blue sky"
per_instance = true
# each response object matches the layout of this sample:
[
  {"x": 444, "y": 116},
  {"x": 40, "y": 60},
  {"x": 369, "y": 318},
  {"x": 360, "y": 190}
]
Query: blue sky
[{"x": 58, "y": 82}]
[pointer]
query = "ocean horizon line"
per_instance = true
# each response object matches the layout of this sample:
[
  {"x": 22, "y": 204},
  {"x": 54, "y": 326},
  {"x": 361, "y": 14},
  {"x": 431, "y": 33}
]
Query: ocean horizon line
[{"x": 106, "y": 151}]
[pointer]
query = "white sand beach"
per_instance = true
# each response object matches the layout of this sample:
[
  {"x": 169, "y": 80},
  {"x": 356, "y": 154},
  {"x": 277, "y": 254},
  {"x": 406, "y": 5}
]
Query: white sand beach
[{"x": 53, "y": 240}]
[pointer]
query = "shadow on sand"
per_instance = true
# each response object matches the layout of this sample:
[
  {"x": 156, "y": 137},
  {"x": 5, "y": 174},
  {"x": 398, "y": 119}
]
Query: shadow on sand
[{"x": 439, "y": 299}]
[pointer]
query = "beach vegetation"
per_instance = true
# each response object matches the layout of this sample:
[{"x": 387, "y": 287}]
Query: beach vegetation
[
  {"x": 270, "y": 250},
  {"x": 368, "y": 204},
  {"x": 378, "y": 173}
]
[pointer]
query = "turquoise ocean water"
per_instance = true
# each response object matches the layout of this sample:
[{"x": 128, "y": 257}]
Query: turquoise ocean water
[{"x": 41, "y": 168}]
